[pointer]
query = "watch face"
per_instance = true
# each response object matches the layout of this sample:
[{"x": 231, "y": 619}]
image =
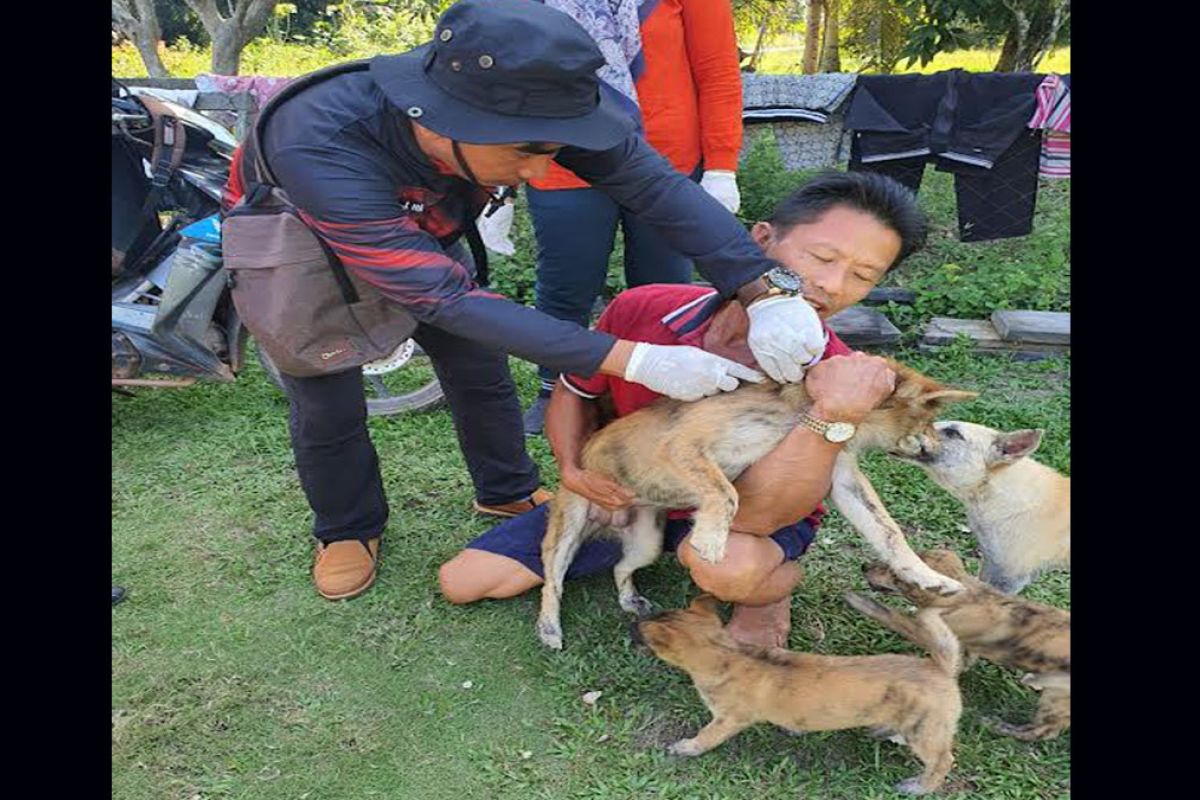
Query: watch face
[
  {"x": 839, "y": 431},
  {"x": 785, "y": 279}
]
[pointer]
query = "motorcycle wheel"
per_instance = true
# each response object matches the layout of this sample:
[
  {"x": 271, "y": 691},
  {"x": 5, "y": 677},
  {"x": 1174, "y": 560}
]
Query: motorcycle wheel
[{"x": 404, "y": 382}]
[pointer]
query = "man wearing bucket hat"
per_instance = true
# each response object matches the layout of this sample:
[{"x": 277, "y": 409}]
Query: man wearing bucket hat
[{"x": 388, "y": 165}]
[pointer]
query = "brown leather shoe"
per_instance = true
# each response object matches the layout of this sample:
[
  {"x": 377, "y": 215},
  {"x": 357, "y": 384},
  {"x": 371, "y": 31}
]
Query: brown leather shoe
[
  {"x": 346, "y": 568},
  {"x": 516, "y": 507}
]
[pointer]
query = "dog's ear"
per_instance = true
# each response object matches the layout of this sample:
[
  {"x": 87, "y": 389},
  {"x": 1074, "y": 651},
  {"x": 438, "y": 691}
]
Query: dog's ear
[
  {"x": 1009, "y": 447},
  {"x": 706, "y": 603},
  {"x": 940, "y": 398},
  {"x": 915, "y": 388}
]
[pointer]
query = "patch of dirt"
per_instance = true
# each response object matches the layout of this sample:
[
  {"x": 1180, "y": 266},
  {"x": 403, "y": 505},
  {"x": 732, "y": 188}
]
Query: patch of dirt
[{"x": 660, "y": 732}]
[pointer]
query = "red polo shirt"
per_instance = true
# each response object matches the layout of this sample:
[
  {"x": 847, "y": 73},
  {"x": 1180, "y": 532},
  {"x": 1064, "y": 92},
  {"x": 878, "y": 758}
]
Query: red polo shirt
[{"x": 662, "y": 313}]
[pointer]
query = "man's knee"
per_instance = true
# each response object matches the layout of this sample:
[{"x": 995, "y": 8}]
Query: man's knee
[
  {"x": 453, "y": 579},
  {"x": 743, "y": 569},
  {"x": 478, "y": 574}
]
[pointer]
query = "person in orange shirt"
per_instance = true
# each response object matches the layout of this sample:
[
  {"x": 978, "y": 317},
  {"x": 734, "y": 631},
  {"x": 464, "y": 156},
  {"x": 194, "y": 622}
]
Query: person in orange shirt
[{"x": 673, "y": 65}]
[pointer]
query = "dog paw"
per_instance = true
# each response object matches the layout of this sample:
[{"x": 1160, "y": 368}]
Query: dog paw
[
  {"x": 710, "y": 548},
  {"x": 912, "y": 786},
  {"x": 932, "y": 581},
  {"x": 550, "y": 634},
  {"x": 636, "y": 604},
  {"x": 685, "y": 747}
]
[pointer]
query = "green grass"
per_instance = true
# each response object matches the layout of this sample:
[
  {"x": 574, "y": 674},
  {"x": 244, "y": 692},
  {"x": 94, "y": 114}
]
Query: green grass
[
  {"x": 949, "y": 277},
  {"x": 232, "y": 678}
]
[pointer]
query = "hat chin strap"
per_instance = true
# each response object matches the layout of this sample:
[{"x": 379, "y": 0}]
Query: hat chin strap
[
  {"x": 462, "y": 162},
  {"x": 497, "y": 200}
]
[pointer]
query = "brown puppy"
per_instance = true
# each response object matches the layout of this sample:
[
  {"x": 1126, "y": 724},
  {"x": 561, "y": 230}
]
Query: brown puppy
[
  {"x": 916, "y": 698},
  {"x": 1004, "y": 629},
  {"x": 683, "y": 455}
]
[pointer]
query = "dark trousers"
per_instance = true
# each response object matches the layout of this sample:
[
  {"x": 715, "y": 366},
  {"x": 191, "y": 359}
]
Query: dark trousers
[
  {"x": 996, "y": 203},
  {"x": 575, "y": 230},
  {"x": 908, "y": 171},
  {"x": 338, "y": 465}
]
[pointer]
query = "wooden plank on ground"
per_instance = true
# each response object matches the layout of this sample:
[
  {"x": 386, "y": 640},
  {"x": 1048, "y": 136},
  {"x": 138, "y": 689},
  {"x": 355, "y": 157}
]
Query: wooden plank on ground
[
  {"x": 864, "y": 327},
  {"x": 1042, "y": 327},
  {"x": 941, "y": 331},
  {"x": 890, "y": 294}
]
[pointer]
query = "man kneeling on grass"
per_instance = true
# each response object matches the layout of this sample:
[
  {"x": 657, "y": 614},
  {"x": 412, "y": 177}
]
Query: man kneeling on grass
[{"x": 840, "y": 234}]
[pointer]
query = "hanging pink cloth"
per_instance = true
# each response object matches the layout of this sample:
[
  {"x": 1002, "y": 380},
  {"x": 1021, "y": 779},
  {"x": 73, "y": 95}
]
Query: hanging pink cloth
[{"x": 259, "y": 87}]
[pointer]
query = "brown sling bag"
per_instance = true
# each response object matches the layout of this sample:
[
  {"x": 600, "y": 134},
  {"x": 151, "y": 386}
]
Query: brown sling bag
[{"x": 308, "y": 312}]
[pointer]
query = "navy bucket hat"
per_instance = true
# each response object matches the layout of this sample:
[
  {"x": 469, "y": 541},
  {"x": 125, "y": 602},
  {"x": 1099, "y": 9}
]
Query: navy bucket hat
[{"x": 503, "y": 72}]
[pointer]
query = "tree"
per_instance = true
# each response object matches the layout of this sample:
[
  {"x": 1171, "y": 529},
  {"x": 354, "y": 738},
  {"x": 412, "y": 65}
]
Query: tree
[
  {"x": 230, "y": 34},
  {"x": 875, "y": 32},
  {"x": 812, "y": 36},
  {"x": 178, "y": 21},
  {"x": 137, "y": 21},
  {"x": 763, "y": 18},
  {"x": 1032, "y": 31},
  {"x": 830, "y": 56},
  {"x": 1029, "y": 27}
]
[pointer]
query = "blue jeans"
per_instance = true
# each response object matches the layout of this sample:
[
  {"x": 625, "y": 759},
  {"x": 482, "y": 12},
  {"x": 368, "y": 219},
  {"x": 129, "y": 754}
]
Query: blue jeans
[{"x": 575, "y": 229}]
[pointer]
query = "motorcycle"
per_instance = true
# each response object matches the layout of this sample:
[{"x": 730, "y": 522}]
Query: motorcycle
[{"x": 172, "y": 313}]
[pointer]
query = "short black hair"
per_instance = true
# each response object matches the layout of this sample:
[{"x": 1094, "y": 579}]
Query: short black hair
[{"x": 886, "y": 199}]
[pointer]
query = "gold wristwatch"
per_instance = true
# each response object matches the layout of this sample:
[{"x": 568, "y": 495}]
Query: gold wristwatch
[{"x": 836, "y": 432}]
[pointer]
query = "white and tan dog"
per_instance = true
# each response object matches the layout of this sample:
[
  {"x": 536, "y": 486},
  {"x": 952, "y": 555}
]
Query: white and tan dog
[{"x": 1018, "y": 509}]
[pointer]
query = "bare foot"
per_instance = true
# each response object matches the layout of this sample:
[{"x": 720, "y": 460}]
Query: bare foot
[{"x": 765, "y": 626}]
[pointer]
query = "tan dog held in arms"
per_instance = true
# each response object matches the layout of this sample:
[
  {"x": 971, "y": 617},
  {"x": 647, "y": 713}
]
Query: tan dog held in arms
[
  {"x": 1001, "y": 628},
  {"x": 893, "y": 695},
  {"x": 1018, "y": 509},
  {"x": 683, "y": 455}
]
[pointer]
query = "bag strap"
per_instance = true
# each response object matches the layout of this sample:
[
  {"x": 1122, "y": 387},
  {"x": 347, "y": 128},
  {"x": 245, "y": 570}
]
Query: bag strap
[
  {"x": 261, "y": 181},
  {"x": 478, "y": 251},
  {"x": 262, "y": 171},
  {"x": 170, "y": 140}
]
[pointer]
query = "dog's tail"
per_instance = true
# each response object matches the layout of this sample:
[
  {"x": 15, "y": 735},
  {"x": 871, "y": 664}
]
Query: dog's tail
[{"x": 927, "y": 629}]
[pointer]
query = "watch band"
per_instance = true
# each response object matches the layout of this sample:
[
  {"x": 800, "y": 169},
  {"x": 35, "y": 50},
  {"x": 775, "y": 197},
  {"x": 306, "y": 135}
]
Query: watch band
[
  {"x": 835, "y": 432},
  {"x": 814, "y": 424},
  {"x": 749, "y": 292}
]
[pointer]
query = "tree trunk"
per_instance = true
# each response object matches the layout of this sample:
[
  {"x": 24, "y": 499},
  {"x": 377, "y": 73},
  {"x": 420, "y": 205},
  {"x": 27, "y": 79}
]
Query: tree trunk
[
  {"x": 231, "y": 34},
  {"x": 830, "y": 58},
  {"x": 758, "y": 44},
  {"x": 227, "y": 51},
  {"x": 148, "y": 48},
  {"x": 1008, "y": 53},
  {"x": 812, "y": 36},
  {"x": 143, "y": 30},
  {"x": 1031, "y": 34},
  {"x": 1043, "y": 30}
]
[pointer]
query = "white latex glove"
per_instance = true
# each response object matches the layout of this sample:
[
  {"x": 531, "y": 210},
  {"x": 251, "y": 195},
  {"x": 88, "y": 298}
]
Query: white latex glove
[
  {"x": 494, "y": 230},
  {"x": 684, "y": 372},
  {"x": 722, "y": 185},
  {"x": 786, "y": 337}
]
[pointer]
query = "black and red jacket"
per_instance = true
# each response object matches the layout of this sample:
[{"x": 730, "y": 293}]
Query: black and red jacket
[{"x": 347, "y": 159}]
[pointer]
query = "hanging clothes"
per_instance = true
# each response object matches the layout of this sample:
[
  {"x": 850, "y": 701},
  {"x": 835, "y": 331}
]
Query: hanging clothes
[
  {"x": 971, "y": 124},
  {"x": 805, "y": 112},
  {"x": 1053, "y": 117}
]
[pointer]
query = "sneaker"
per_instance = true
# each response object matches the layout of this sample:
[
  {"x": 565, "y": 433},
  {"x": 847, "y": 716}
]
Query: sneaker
[
  {"x": 535, "y": 417},
  {"x": 517, "y": 507},
  {"x": 345, "y": 568}
]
